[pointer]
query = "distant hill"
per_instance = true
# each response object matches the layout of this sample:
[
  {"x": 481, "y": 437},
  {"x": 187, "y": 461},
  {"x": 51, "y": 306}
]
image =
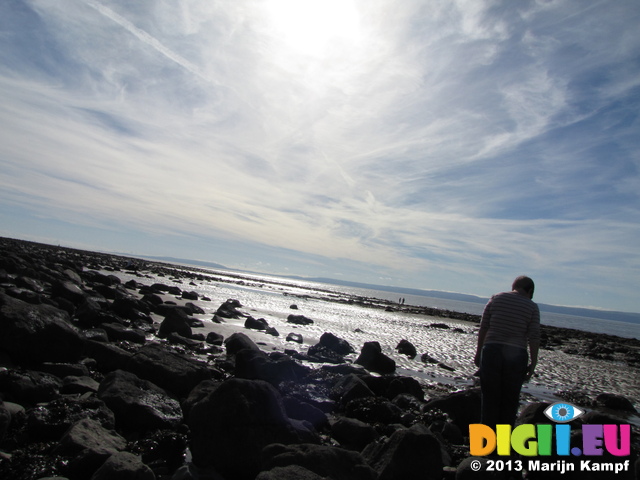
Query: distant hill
[
  {"x": 577, "y": 311},
  {"x": 184, "y": 261}
]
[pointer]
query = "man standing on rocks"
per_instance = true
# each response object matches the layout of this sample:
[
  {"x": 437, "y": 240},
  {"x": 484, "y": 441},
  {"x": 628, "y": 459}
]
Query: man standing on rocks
[{"x": 510, "y": 323}]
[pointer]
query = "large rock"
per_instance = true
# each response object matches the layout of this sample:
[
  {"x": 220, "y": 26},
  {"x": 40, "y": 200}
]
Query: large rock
[
  {"x": 5, "y": 420},
  {"x": 116, "y": 332},
  {"x": 108, "y": 357},
  {"x": 323, "y": 354},
  {"x": 49, "y": 421},
  {"x": 123, "y": 466},
  {"x": 256, "y": 323},
  {"x": 90, "y": 445},
  {"x": 350, "y": 387},
  {"x": 301, "y": 410},
  {"x": 409, "y": 453},
  {"x": 462, "y": 407},
  {"x": 37, "y": 333},
  {"x": 337, "y": 344},
  {"x": 372, "y": 358},
  {"x": 176, "y": 321},
  {"x": 68, "y": 291},
  {"x": 257, "y": 365},
  {"x": 405, "y": 347},
  {"x": 232, "y": 425},
  {"x": 239, "y": 341},
  {"x": 615, "y": 402},
  {"x": 290, "y": 472},
  {"x": 138, "y": 404},
  {"x": 329, "y": 462},
  {"x": 299, "y": 320},
  {"x": 229, "y": 309},
  {"x": 29, "y": 387},
  {"x": 170, "y": 370},
  {"x": 353, "y": 434}
]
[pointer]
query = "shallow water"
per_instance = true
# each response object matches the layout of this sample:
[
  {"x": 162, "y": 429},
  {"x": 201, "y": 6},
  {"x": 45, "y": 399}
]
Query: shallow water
[{"x": 454, "y": 348}]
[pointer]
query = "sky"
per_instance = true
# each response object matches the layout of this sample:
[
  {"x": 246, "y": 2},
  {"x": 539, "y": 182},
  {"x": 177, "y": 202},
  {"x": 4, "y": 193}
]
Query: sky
[{"x": 442, "y": 144}]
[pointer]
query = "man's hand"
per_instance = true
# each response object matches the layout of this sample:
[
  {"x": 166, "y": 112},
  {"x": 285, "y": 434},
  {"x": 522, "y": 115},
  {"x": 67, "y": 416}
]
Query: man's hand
[{"x": 530, "y": 370}]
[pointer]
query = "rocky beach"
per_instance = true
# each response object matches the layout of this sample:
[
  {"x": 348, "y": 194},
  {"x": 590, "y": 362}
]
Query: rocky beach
[{"x": 118, "y": 367}]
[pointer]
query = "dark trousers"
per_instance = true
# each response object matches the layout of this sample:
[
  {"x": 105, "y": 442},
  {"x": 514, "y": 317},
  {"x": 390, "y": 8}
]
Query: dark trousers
[{"x": 502, "y": 372}]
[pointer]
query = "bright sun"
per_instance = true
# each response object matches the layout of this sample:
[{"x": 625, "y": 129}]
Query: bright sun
[{"x": 312, "y": 27}]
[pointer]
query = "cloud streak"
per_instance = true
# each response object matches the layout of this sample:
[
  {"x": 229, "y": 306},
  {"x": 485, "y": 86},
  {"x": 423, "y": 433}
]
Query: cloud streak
[{"x": 445, "y": 145}]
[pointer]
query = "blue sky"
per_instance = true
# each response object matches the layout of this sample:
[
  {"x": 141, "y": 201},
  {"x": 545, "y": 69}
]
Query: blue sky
[{"x": 448, "y": 145}]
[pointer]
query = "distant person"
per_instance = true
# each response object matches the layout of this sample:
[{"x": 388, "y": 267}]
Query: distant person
[{"x": 510, "y": 323}]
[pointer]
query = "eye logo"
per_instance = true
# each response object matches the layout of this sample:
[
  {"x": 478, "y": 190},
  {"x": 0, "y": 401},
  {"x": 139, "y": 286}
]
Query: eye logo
[{"x": 563, "y": 412}]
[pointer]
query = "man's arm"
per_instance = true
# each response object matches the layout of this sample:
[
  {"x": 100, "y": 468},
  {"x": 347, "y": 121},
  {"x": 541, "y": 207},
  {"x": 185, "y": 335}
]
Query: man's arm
[
  {"x": 534, "y": 346},
  {"x": 481, "y": 336},
  {"x": 534, "y": 343},
  {"x": 484, "y": 328}
]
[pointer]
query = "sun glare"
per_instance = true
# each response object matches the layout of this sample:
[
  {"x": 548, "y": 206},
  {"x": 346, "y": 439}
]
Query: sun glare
[{"x": 313, "y": 27}]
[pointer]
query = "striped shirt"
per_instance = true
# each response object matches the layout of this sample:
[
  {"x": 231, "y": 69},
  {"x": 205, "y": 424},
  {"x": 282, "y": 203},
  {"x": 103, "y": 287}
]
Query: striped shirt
[{"x": 512, "y": 319}]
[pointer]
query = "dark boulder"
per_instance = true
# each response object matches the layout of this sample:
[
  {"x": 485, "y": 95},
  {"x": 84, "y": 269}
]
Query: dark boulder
[
  {"x": 372, "y": 358},
  {"x": 353, "y": 434},
  {"x": 229, "y": 309},
  {"x": 124, "y": 466},
  {"x": 320, "y": 353},
  {"x": 532, "y": 413},
  {"x": 409, "y": 453},
  {"x": 272, "y": 331},
  {"x": 116, "y": 332},
  {"x": 193, "y": 309},
  {"x": 462, "y": 407},
  {"x": 190, "y": 295},
  {"x": 138, "y": 404},
  {"x": 192, "y": 343},
  {"x": 72, "y": 385},
  {"x": 239, "y": 341},
  {"x": 256, "y": 323},
  {"x": 374, "y": 410},
  {"x": 90, "y": 445},
  {"x": 37, "y": 333},
  {"x": 232, "y": 425},
  {"x": 299, "y": 320},
  {"x": 5, "y": 420},
  {"x": 214, "y": 338},
  {"x": 295, "y": 337},
  {"x": 350, "y": 387},
  {"x": 49, "y": 421},
  {"x": 290, "y": 472},
  {"x": 405, "y": 347},
  {"x": 132, "y": 308},
  {"x": 92, "y": 313},
  {"x": 170, "y": 370},
  {"x": 338, "y": 345},
  {"x": 328, "y": 462},
  {"x": 177, "y": 321},
  {"x": 615, "y": 402},
  {"x": 198, "y": 393},
  {"x": 29, "y": 387},
  {"x": 257, "y": 365},
  {"x": 68, "y": 291},
  {"x": 301, "y": 410},
  {"x": 108, "y": 357}
]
